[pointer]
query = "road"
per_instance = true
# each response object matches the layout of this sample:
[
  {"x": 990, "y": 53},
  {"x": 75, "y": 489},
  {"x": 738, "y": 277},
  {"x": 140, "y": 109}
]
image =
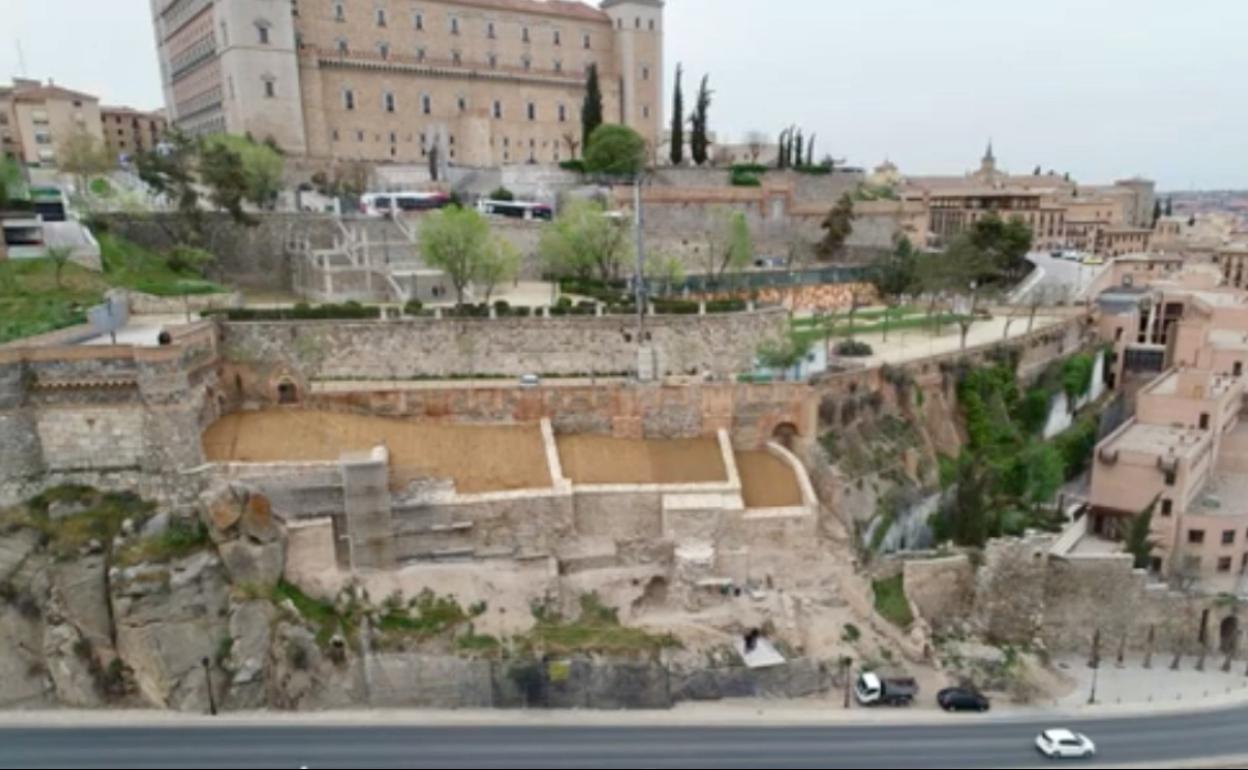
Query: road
[
  {"x": 975, "y": 742},
  {"x": 1063, "y": 278}
]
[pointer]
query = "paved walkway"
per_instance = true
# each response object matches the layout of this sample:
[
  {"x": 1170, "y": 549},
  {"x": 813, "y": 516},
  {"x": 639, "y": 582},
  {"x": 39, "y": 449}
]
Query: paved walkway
[{"x": 1133, "y": 685}]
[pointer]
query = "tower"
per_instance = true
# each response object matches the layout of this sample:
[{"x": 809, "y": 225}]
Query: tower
[
  {"x": 638, "y": 29},
  {"x": 988, "y": 166}
]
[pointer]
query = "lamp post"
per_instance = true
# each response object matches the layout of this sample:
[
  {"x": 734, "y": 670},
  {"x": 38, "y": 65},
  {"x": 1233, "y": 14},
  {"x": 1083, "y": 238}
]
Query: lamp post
[
  {"x": 1095, "y": 665},
  {"x": 212, "y": 702}
]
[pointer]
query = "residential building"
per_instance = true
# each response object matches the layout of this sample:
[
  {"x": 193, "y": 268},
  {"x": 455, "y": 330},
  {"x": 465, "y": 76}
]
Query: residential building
[
  {"x": 1178, "y": 329},
  {"x": 485, "y": 82},
  {"x": 36, "y": 118},
  {"x": 128, "y": 131}
]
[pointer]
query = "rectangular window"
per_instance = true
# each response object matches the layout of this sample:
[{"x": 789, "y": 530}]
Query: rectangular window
[
  {"x": 463, "y": 104},
  {"x": 1228, "y": 537},
  {"x": 489, "y": 31},
  {"x": 563, "y": 114},
  {"x": 532, "y": 111},
  {"x": 384, "y": 50},
  {"x": 420, "y": 54},
  {"x": 340, "y": 12},
  {"x": 342, "y": 47},
  {"x": 1224, "y": 564},
  {"x": 652, "y": 25},
  {"x": 387, "y": 102},
  {"x": 457, "y": 58},
  {"x": 263, "y": 32},
  {"x": 1204, "y": 422},
  {"x": 587, "y": 42},
  {"x": 270, "y": 89},
  {"x": 527, "y": 62},
  {"x": 381, "y": 17},
  {"x": 498, "y": 110},
  {"x": 645, "y": 73},
  {"x": 1170, "y": 478},
  {"x": 348, "y": 99},
  {"x": 426, "y": 104},
  {"x": 524, "y": 35},
  {"x": 558, "y": 66},
  {"x": 419, "y": 22},
  {"x": 493, "y": 61},
  {"x": 1167, "y": 507},
  {"x": 558, "y": 38},
  {"x": 454, "y": 26},
  {"x": 1196, "y": 537}
]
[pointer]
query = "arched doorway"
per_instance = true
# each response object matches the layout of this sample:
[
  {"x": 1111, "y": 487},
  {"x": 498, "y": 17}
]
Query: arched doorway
[
  {"x": 785, "y": 435},
  {"x": 1228, "y": 635},
  {"x": 287, "y": 392}
]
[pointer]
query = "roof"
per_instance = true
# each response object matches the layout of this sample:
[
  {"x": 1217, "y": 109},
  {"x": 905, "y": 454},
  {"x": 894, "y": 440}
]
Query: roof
[
  {"x": 1159, "y": 440},
  {"x": 44, "y": 93},
  {"x": 154, "y": 114},
  {"x": 565, "y": 8}
]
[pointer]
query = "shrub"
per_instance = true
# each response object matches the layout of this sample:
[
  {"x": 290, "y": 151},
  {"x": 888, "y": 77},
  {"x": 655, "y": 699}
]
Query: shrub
[
  {"x": 733, "y": 305},
  {"x": 744, "y": 179},
  {"x": 854, "y": 349},
  {"x": 891, "y": 602},
  {"x": 502, "y": 194},
  {"x": 817, "y": 170},
  {"x": 413, "y": 307},
  {"x": 748, "y": 168},
  {"x": 675, "y": 307},
  {"x": 350, "y": 311},
  {"x": 850, "y": 633},
  {"x": 577, "y": 165}
]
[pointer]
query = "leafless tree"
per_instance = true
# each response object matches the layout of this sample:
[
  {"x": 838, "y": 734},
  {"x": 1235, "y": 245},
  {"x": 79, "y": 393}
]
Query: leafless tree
[{"x": 573, "y": 142}]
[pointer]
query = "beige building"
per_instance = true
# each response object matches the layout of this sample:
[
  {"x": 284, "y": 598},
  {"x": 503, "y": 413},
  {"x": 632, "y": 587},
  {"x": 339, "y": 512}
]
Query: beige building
[
  {"x": 486, "y": 82},
  {"x": 128, "y": 131},
  {"x": 1176, "y": 327},
  {"x": 35, "y": 119}
]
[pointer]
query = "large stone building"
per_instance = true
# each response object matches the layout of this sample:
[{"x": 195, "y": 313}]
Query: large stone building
[
  {"x": 486, "y": 82},
  {"x": 36, "y": 119}
]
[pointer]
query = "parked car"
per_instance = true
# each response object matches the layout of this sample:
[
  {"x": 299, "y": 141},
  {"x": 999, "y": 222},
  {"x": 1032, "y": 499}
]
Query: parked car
[
  {"x": 871, "y": 689},
  {"x": 962, "y": 699},
  {"x": 1064, "y": 744},
  {"x": 530, "y": 381}
]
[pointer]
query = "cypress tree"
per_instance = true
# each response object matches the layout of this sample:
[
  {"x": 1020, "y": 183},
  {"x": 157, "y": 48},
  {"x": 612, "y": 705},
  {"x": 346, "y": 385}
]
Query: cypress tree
[
  {"x": 591, "y": 110},
  {"x": 698, "y": 142},
  {"x": 799, "y": 146},
  {"x": 678, "y": 121}
]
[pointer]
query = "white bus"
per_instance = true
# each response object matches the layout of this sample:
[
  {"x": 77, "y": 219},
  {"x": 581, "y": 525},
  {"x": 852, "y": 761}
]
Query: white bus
[
  {"x": 390, "y": 204},
  {"x": 516, "y": 209}
]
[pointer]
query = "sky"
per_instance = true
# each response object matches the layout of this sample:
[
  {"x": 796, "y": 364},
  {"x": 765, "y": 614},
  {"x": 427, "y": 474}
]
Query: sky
[{"x": 1103, "y": 89}]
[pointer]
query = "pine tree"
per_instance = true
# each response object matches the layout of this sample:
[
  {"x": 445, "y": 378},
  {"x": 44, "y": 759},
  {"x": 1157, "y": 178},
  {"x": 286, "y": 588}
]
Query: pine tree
[
  {"x": 678, "y": 121},
  {"x": 698, "y": 141},
  {"x": 591, "y": 110}
]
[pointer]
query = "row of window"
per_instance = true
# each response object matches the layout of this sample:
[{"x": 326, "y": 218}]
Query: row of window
[
  {"x": 390, "y": 104},
  {"x": 455, "y": 27},
  {"x": 1197, "y": 536},
  {"x": 553, "y": 146},
  {"x": 526, "y": 61}
]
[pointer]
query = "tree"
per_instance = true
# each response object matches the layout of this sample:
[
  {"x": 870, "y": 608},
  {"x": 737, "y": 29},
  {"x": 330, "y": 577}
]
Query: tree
[
  {"x": 967, "y": 518},
  {"x": 730, "y": 247},
  {"x": 169, "y": 172},
  {"x": 1003, "y": 245},
  {"x": 222, "y": 171},
  {"x": 678, "y": 120},
  {"x": 498, "y": 264},
  {"x": 12, "y": 185},
  {"x": 60, "y": 256},
  {"x": 699, "y": 142},
  {"x": 1156, "y": 212},
  {"x": 1170, "y": 207},
  {"x": 1037, "y": 170},
  {"x": 838, "y": 225},
  {"x": 799, "y": 146},
  {"x": 572, "y": 142},
  {"x": 262, "y": 164},
  {"x": 782, "y": 150},
  {"x": 896, "y": 275},
  {"x": 591, "y": 109},
  {"x": 583, "y": 241},
  {"x": 84, "y": 156},
  {"x": 810, "y": 150},
  {"x": 783, "y": 353},
  {"x": 615, "y": 150},
  {"x": 665, "y": 269},
  {"x": 1139, "y": 540},
  {"x": 458, "y": 242},
  {"x": 756, "y": 141}
]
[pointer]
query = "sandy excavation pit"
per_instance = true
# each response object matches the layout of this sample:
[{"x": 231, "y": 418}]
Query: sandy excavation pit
[
  {"x": 767, "y": 481},
  {"x": 605, "y": 460},
  {"x": 478, "y": 458}
]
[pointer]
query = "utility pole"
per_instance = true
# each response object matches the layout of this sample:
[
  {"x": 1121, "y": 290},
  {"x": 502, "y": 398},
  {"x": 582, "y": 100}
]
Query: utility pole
[
  {"x": 640, "y": 270},
  {"x": 212, "y": 702}
]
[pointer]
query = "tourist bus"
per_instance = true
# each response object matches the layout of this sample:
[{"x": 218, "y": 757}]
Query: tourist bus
[
  {"x": 516, "y": 209},
  {"x": 390, "y": 204}
]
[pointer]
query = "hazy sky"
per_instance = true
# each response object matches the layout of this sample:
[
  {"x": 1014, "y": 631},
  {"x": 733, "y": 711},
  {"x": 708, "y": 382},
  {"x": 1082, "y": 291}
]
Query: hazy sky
[{"x": 1100, "y": 88}]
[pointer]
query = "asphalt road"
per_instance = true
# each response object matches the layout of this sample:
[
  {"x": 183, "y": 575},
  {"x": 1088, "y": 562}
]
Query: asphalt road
[
  {"x": 976, "y": 742},
  {"x": 1063, "y": 278}
]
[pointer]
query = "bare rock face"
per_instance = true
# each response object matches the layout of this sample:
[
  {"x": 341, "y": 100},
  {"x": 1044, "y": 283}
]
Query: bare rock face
[
  {"x": 249, "y": 562},
  {"x": 72, "y": 664},
  {"x": 224, "y": 508},
  {"x": 251, "y": 639},
  {"x": 169, "y": 618},
  {"x": 24, "y": 680},
  {"x": 304, "y": 678},
  {"x": 79, "y": 598},
  {"x": 257, "y": 521}
]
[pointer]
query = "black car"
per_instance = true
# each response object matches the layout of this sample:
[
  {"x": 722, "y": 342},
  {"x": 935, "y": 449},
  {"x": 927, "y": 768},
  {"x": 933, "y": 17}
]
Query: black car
[{"x": 962, "y": 699}]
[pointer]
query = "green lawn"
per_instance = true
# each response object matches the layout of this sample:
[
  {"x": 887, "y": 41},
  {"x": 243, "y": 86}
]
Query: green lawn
[
  {"x": 31, "y": 301},
  {"x": 891, "y": 602}
]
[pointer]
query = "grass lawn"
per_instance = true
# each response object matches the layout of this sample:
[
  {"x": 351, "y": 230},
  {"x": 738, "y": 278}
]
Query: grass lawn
[
  {"x": 891, "y": 602},
  {"x": 32, "y": 303}
]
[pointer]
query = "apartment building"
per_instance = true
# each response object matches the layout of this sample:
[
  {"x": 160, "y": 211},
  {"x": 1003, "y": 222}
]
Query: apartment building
[
  {"x": 481, "y": 82},
  {"x": 1178, "y": 329},
  {"x": 128, "y": 131},
  {"x": 36, "y": 118}
]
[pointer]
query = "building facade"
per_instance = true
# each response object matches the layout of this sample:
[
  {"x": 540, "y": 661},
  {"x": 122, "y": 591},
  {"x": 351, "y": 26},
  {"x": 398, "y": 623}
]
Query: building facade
[
  {"x": 36, "y": 119},
  {"x": 480, "y": 82},
  {"x": 127, "y": 131}
]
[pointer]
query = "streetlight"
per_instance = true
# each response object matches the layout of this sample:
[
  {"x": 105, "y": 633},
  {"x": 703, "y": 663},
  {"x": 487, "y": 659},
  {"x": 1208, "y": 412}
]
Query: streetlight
[{"x": 212, "y": 702}]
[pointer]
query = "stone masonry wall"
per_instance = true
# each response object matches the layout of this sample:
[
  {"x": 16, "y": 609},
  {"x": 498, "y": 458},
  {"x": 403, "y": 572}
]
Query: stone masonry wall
[
  {"x": 943, "y": 590},
  {"x": 723, "y": 344}
]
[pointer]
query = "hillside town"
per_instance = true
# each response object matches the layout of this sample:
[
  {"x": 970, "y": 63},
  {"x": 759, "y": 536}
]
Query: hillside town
[{"x": 453, "y": 357}]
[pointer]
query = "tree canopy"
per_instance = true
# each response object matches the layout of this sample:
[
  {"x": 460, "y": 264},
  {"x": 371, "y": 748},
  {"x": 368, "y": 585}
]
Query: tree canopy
[
  {"x": 678, "y": 120},
  {"x": 838, "y": 225},
  {"x": 591, "y": 108},
  {"x": 731, "y": 248},
  {"x": 263, "y": 166},
  {"x": 458, "y": 242},
  {"x": 583, "y": 242},
  {"x": 83, "y": 156},
  {"x": 699, "y": 122},
  {"x": 615, "y": 150}
]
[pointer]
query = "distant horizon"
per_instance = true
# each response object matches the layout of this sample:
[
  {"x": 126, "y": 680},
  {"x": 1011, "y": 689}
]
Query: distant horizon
[{"x": 1136, "y": 87}]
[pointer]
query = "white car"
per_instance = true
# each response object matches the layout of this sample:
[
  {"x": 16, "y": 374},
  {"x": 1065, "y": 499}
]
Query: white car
[{"x": 1063, "y": 744}]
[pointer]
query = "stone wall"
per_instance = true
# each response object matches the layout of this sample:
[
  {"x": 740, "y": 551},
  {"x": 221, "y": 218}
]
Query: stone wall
[
  {"x": 722, "y": 344},
  {"x": 150, "y": 304},
  {"x": 91, "y": 438},
  {"x": 943, "y": 590}
]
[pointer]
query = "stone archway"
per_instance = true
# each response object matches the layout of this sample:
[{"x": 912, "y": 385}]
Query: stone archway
[
  {"x": 786, "y": 435},
  {"x": 287, "y": 392},
  {"x": 1228, "y": 635}
]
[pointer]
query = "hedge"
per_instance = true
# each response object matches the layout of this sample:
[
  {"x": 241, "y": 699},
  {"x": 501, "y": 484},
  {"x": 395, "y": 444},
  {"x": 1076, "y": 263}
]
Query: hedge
[
  {"x": 349, "y": 311},
  {"x": 745, "y": 179},
  {"x": 576, "y": 165},
  {"x": 748, "y": 168}
]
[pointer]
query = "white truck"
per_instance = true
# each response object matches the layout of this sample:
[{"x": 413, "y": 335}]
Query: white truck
[{"x": 871, "y": 689}]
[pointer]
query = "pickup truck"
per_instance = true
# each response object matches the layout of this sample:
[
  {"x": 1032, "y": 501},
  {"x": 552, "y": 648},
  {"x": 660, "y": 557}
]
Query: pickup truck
[{"x": 871, "y": 689}]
